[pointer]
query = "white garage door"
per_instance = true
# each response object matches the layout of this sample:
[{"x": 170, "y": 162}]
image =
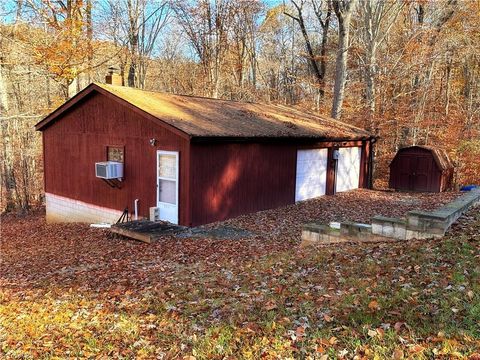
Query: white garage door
[
  {"x": 311, "y": 179},
  {"x": 348, "y": 169}
]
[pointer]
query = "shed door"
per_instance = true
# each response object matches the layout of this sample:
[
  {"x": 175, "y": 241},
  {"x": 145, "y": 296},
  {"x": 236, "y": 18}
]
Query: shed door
[
  {"x": 167, "y": 185},
  {"x": 421, "y": 173},
  {"x": 348, "y": 169},
  {"x": 403, "y": 175},
  {"x": 311, "y": 178}
]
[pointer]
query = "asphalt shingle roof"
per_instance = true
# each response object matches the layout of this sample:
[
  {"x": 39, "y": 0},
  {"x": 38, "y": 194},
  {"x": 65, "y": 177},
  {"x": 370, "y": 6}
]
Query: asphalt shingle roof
[
  {"x": 206, "y": 117},
  {"x": 199, "y": 116}
]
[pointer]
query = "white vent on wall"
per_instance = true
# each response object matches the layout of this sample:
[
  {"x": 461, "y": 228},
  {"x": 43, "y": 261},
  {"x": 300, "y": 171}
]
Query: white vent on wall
[{"x": 109, "y": 170}]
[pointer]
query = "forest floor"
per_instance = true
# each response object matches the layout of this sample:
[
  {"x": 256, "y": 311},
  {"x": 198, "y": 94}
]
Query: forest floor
[{"x": 67, "y": 290}]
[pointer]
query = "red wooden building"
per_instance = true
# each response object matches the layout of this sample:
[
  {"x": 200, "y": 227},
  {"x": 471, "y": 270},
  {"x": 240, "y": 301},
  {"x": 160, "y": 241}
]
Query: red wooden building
[
  {"x": 421, "y": 168},
  {"x": 194, "y": 160}
]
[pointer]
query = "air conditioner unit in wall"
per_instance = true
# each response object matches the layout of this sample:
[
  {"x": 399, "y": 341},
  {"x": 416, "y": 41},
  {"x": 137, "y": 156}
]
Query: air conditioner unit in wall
[{"x": 109, "y": 170}]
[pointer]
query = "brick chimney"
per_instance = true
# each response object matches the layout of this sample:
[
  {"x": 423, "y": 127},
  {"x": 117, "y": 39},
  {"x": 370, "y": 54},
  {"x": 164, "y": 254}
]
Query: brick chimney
[{"x": 113, "y": 77}]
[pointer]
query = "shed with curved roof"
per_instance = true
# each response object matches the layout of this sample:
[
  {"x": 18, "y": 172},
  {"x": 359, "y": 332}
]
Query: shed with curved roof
[{"x": 421, "y": 168}]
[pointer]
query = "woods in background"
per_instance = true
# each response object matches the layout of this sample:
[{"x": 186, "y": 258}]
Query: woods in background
[{"x": 408, "y": 71}]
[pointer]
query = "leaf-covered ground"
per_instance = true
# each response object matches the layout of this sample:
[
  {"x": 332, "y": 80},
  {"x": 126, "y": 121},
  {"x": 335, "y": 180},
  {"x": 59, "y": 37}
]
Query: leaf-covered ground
[{"x": 69, "y": 291}]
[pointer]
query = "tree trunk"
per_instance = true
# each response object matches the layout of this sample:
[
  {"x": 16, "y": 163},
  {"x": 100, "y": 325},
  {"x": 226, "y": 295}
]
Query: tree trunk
[
  {"x": 88, "y": 10},
  {"x": 72, "y": 87},
  {"x": 319, "y": 70},
  {"x": 323, "y": 55},
  {"x": 3, "y": 92},
  {"x": 370, "y": 72},
  {"x": 344, "y": 17},
  {"x": 133, "y": 42},
  {"x": 447, "y": 85}
]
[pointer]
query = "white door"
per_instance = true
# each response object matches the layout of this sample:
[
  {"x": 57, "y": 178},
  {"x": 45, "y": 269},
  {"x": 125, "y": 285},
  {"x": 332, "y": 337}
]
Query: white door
[
  {"x": 167, "y": 185},
  {"x": 311, "y": 178},
  {"x": 348, "y": 169}
]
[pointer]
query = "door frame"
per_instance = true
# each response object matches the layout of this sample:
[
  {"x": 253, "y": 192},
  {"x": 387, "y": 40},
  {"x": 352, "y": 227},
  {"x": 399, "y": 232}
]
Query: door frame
[{"x": 177, "y": 163}]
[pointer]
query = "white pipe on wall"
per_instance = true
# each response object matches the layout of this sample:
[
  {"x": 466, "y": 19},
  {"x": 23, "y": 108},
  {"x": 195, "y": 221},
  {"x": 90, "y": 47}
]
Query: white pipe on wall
[{"x": 136, "y": 208}]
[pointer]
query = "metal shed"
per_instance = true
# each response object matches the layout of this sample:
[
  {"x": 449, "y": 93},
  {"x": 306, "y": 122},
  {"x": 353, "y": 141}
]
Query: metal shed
[{"x": 421, "y": 168}]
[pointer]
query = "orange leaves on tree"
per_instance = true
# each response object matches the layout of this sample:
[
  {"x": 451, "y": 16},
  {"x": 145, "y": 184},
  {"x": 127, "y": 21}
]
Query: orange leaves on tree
[{"x": 63, "y": 45}]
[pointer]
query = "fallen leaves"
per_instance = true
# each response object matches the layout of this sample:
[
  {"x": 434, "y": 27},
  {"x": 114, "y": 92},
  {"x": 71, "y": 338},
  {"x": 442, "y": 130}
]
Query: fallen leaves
[
  {"x": 68, "y": 288},
  {"x": 270, "y": 305},
  {"x": 360, "y": 206},
  {"x": 373, "y": 305},
  {"x": 398, "y": 326},
  {"x": 333, "y": 340},
  {"x": 299, "y": 333},
  {"x": 397, "y": 354},
  {"x": 415, "y": 349},
  {"x": 327, "y": 318}
]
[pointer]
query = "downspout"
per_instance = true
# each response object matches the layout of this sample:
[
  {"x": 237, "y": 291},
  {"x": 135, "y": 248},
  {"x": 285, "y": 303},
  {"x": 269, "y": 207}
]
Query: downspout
[{"x": 136, "y": 208}]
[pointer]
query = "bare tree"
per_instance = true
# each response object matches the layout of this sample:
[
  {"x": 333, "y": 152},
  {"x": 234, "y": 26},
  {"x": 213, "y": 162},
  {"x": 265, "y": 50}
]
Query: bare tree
[
  {"x": 376, "y": 20},
  {"x": 135, "y": 25},
  {"x": 424, "y": 80},
  {"x": 3, "y": 87},
  {"x": 243, "y": 49},
  {"x": 206, "y": 25},
  {"x": 343, "y": 10},
  {"x": 89, "y": 25},
  {"x": 317, "y": 61}
]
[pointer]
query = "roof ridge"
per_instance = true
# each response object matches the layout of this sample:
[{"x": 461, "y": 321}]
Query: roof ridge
[{"x": 172, "y": 94}]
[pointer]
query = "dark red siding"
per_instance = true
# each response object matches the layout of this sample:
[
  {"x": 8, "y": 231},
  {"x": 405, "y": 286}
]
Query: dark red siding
[
  {"x": 233, "y": 179},
  {"x": 74, "y": 144},
  {"x": 217, "y": 180},
  {"x": 415, "y": 169},
  {"x": 238, "y": 178}
]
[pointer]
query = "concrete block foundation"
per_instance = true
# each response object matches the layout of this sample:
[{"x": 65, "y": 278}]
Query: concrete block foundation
[{"x": 63, "y": 209}]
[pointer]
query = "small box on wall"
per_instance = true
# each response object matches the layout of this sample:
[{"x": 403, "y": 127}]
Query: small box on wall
[{"x": 154, "y": 214}]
